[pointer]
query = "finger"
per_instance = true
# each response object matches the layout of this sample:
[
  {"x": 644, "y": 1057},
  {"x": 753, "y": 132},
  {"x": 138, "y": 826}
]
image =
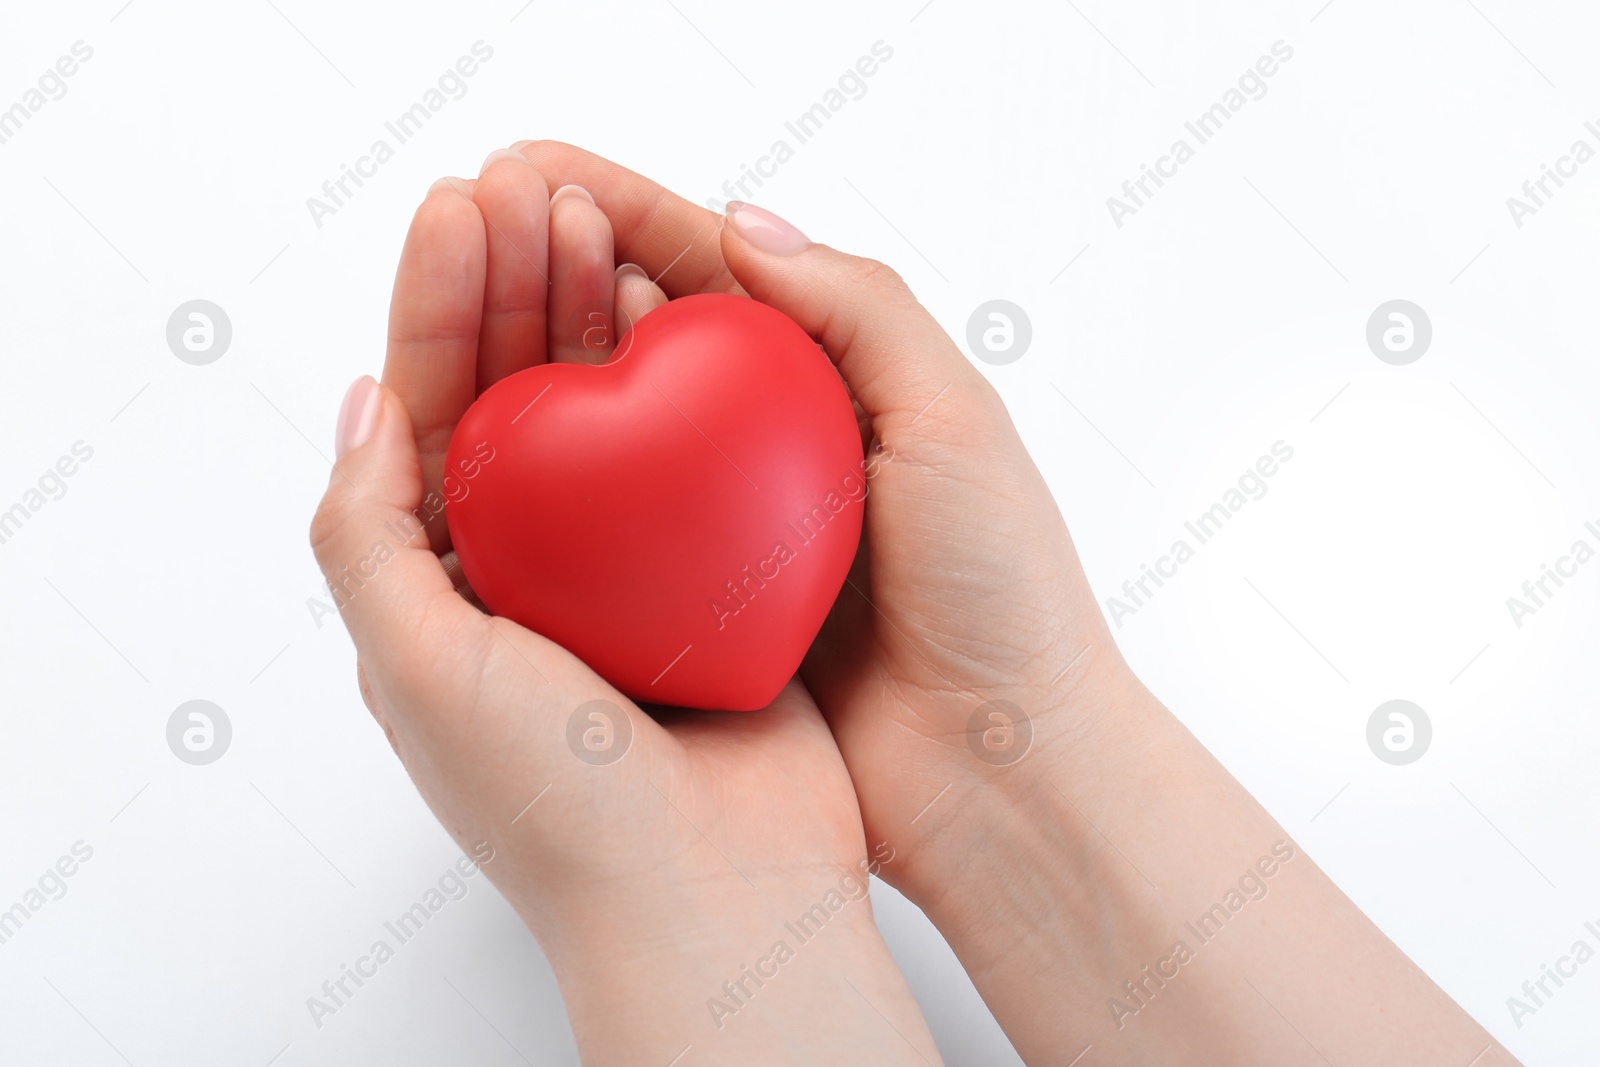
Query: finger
[
  {"x": 673, "y": 240},
  {"x": 515, "y": 204},
  {"x": 635, "y": 296},
  {"x": 428, "y": 658},
  {"x": 891, "y": 352},
  {"x": 369, "y": 540},
  {"x": 582, "y": 325},
  {"x": 434, "y": 317}
]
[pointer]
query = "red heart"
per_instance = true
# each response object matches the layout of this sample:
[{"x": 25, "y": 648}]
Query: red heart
[{"x": 680, "y": 518}]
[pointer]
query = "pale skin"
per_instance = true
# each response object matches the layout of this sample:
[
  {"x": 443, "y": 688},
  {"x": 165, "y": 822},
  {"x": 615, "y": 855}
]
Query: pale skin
[{"x": 1058, "y": 878}]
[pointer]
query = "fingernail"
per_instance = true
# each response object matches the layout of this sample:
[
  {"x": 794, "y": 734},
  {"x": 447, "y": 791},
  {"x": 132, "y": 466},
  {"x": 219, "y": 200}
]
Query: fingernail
[
  {"x": 765, "y": 230},
  {"x": 518, "y": 146},
  {"x": 357, "y": 415},
  {"x": 445, "y": 183},
  {"x": 628, "y": 270},
  {"x": 570, "y": 190},
  {"x": 497, "y": 155}
]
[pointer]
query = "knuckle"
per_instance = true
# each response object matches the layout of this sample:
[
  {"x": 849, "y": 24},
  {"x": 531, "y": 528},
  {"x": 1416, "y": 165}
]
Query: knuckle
[
  {"x": 365, "y": 686},
  {"x": 873, "y": 274},
  {"x": 331, "y": 518},
  {"x": 371, "y": 701}
]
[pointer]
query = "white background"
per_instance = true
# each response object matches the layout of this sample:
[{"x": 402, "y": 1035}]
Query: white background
[{"x": 1171, "y": 353}]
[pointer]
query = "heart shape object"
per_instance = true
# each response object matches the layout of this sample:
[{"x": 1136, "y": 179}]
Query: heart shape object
[{"x": 682, "y": 517}]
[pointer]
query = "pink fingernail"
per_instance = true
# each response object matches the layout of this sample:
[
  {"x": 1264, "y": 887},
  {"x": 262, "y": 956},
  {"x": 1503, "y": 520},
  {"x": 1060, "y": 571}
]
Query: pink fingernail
[
  {"x": 765, "y": 230},
  {"x": 497, "y": 155},
  {"x": 570, "y": 190},
  {"x": 357, "y": 415}
]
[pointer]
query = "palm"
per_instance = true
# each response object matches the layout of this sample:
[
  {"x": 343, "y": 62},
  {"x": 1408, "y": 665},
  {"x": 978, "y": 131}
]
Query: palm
[
  {"x": 471, "y": 305},
  {"x": 966, "y": 583}
]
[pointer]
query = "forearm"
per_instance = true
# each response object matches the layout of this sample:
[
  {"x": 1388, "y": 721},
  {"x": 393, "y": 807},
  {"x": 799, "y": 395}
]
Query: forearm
[
  {"x": 789, "y": 974},
  {"x": 1121, "y": 890}
]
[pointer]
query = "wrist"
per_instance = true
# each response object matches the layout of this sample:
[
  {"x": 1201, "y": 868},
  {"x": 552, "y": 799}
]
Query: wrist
[
  {"x": 733, "y": 971},
  {"x": 1057, "y": 836},
  {"x": 1128, "y": 893},
  {"x": 999, "y": 796},
  {"x": 1078, "y": 870}
]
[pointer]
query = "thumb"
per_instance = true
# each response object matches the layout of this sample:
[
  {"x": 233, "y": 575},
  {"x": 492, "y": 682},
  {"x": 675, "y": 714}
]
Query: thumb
[
  {"x": 369, "y": 531},
  {"x": 889, "y": 349}
]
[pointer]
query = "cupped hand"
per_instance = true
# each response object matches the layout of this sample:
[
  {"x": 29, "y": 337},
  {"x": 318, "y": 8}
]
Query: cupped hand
[
  {"x": 974, "y": 690},
  {"x": 653, "y": 859},
  {"x": 966, "y": 634}
]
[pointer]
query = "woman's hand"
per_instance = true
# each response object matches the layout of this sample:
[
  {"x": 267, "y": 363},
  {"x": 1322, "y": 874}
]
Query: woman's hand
[
  {"x": 661, "y": 864},
  {"x": 966, "y": 589},
  {"x": 1060, "y": 826}
]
